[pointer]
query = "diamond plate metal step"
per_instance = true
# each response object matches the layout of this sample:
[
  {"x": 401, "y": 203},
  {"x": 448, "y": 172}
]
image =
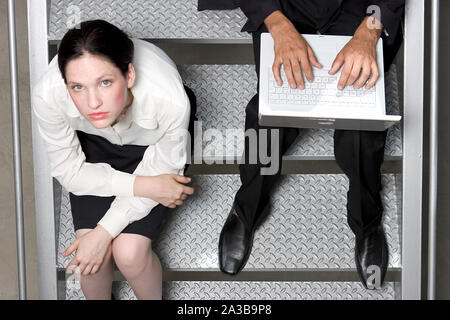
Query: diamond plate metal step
[
  {"x": 193, "y": 290},
  {"x": 156, "y": 19},
  {"x": 306, "y": 230},
  {"x": 223, "y": 92}
]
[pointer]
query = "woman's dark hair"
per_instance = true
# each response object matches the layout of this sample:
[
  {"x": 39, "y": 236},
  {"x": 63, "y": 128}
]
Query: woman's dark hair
[{"x": 96, "y": 37}]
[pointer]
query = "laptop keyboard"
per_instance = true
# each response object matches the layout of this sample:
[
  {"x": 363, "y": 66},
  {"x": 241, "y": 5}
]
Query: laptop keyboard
[{"x": 323, "y": 90}]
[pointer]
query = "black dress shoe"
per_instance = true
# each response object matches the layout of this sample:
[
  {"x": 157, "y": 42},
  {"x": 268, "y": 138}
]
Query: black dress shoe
[
  {"x": 371, "y": 256},
  {"x": 235, "y": 244}
]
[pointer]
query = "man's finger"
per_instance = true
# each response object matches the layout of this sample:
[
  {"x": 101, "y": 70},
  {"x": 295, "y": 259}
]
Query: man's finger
[
  {"x": 288, "y": 71},
  {"x": 345, "y": 74},
  {"x": 337, "y": 63},
  {"x": 313, "y": 59},
  {"x": 297, "y": 73},
  {"x": 306, "y": 67},
  {"x": 184, "y": 197},
  {"x": 178, "y": 202},
  {"x": 365, "y": 74},
  {"x": 354, "y": 73},
  {"x": 276, "y": 71},
  {"x": 374, "y": 77}
]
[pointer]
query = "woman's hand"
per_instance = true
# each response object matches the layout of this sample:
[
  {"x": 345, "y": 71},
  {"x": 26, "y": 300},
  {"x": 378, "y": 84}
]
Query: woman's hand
[
  {"x": 91, "y": 250},
  {"x": 166, "y": 189},
  {"x": 291, "y": 50}
]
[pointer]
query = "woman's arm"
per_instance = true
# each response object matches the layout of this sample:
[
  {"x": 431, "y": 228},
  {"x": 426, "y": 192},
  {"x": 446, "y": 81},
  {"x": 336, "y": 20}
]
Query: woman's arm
[
  {"x": 68, "y": 162},
  {"x": 167, "y": 156}
]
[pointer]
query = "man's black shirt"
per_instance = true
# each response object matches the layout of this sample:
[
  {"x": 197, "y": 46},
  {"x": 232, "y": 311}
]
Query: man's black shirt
[{"x": 390, "y": 12}]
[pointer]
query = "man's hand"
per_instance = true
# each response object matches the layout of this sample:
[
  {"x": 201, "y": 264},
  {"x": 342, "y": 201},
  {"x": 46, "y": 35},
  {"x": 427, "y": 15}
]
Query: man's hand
[
  {"x": 90, "y": 249},
  {"x": 166, "y": 189},
  {"x": 359, "y": 58},
  {"x": 291, "y": 50}
]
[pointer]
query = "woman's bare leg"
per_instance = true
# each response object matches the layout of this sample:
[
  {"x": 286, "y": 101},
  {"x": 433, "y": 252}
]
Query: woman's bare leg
[
  {"x": 138, "y": 263},
  {"x": 98, "y": 286}
]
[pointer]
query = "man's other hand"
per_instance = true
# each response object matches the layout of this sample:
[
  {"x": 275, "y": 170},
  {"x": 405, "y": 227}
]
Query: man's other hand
[
  {"x": 291, "y": 50},
  {"x": 359, "y": 59}
]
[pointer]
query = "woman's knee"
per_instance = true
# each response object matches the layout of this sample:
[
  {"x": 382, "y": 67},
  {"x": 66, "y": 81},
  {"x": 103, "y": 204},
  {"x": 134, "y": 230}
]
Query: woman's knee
[{"x": 131, "y": 253}]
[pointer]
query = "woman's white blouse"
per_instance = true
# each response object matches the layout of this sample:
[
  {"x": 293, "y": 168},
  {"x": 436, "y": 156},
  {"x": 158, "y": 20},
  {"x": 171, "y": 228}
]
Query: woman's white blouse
[{"x": 158, "y": 118}]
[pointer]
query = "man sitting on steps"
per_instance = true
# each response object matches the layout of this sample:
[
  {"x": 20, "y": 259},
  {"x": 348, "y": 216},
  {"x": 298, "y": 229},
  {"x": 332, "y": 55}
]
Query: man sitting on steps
[{"x": 358, "y": 153}]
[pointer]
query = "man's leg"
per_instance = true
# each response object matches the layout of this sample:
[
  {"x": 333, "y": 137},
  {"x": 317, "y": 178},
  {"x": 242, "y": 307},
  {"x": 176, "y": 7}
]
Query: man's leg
[
  {"x": 252, "y": 198},
  {"x": 251, "y": 204},
  {"x": 360, "y": 155}
]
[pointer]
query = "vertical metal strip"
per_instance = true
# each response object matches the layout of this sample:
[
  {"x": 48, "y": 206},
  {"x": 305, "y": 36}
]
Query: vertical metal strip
[
  {"x": 17, "y": 149},
  {"x": 43, "y": 181},
  {"x": 433, "y": 149},
  {"x": 412, "y": 150}
]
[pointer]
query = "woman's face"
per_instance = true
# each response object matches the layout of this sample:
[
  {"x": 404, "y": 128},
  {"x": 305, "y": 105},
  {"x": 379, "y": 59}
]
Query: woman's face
[{"x": 98, "y": 88}]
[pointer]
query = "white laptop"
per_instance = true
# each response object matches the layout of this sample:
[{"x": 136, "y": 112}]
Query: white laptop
[{"x": 321, "y": 104}]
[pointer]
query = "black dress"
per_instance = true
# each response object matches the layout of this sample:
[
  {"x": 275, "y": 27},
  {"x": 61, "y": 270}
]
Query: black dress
[{"x": 87, "y": 211}]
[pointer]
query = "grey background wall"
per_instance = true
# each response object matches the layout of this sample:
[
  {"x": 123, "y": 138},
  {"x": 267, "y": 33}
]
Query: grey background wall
[{"x": 8, "y": 254}]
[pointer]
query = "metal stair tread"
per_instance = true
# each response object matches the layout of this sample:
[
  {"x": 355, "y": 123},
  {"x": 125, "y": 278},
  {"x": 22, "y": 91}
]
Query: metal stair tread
[
  {"x": 306, "y": 229},
  {"x": 194, "y": 290},
  {"x": 156, "y": 19}
]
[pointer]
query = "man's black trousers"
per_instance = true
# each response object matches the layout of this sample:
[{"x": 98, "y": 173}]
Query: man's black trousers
[{"x": 358, "y": 153}]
